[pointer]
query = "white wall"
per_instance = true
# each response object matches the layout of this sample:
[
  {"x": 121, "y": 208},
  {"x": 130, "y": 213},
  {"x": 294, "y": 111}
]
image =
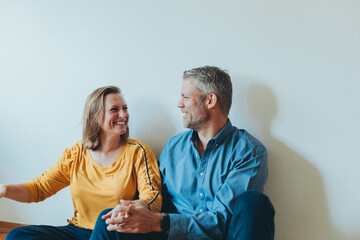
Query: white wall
[{"x": 295, "y": 67}]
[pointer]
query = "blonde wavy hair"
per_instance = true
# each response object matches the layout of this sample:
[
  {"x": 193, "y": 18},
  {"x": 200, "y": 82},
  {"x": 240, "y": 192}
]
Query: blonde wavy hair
[{"x": 93, "y": 116}]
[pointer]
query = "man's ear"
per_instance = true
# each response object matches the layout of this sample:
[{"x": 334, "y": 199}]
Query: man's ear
[{"x": 211, "y": 100}]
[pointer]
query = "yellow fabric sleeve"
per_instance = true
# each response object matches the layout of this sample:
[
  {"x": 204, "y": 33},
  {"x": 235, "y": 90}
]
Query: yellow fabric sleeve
[
  {"x": 93, "y": 187},
  {"x": 148, "y": 178},
  {"x": 57, "y": 178}
]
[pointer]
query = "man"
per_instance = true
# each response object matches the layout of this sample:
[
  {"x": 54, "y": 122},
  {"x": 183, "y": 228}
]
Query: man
[{"x": 213, "y": 174}]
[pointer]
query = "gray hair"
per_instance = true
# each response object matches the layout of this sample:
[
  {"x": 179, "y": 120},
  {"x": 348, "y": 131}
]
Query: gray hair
[{"x": 210, "y": 79}]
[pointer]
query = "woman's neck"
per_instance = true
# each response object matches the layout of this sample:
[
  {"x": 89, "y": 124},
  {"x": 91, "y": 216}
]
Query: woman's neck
[
  {"x": 110, "y": 144},
  {"x": 109, "y": 150}
]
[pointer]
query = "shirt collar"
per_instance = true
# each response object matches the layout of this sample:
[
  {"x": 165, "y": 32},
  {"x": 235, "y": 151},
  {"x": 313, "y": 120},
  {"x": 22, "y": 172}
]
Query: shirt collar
[
  {"x": 227, "y": 129},
  {"x": 219, "y": 138}
]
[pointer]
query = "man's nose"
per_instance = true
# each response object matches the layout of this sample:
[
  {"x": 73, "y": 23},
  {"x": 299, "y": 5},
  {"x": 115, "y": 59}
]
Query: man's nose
[{"x": 180, "y": 104}]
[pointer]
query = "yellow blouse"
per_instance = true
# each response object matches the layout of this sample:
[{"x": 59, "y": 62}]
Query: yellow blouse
[{"x": 134, "y": 175}]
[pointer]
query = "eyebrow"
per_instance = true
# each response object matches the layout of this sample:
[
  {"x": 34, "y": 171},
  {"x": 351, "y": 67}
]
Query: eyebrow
[{"x": 112, "y": 106}]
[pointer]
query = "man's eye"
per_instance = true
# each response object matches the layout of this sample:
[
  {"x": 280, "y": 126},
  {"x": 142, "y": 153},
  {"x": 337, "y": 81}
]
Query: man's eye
[
  {"x": 125, "y": 108},
  {"x": 113, "y": 109}
]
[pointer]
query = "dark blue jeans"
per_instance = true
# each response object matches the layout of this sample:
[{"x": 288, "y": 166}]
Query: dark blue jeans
[
  {"x": 253, "y": 219},
  {"x": 45, "y": 232},
  {"x": 100, "y": 232},
  {"x": 71, "y": 232}
]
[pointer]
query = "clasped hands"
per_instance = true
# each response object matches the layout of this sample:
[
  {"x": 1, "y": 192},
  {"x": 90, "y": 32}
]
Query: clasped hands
[{"x": 132, "y": 216}]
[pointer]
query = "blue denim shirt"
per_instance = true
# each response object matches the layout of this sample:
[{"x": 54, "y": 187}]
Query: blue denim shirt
[{"x": 204, "y": 190}]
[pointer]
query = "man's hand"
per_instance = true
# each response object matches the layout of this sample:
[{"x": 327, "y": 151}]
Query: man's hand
[
  {"x": 123, "y": 207},
  {"x": 133, "y": 217}
]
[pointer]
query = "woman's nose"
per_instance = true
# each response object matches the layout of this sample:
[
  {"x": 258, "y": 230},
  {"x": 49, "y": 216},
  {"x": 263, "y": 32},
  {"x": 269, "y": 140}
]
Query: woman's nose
[{"x": 122, "y": 113}]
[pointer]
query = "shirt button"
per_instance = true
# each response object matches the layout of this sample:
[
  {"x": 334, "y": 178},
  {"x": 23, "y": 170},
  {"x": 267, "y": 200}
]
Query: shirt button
[
  {"x": 217, "y": 145},
  {"x": 200, "y": 210},
  {"x": 201, "y": 194},
  {"x": 201, "y": 173}
]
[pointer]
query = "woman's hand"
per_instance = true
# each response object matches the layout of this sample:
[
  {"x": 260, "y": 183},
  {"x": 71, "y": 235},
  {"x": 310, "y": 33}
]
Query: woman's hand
[
  {"x": 2, "y": 190},
  {"x": 122, "y": 209},
  {"x": 133, "y": 217},
  {"x": 17, "y": 192},
  {"x": 137, "y": 203}
]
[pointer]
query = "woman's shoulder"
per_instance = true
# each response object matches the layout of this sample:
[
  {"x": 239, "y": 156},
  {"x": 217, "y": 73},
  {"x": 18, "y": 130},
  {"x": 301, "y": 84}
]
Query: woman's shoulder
[
  {"x": 77, "y": 147},
  {"x": 135, "y": 144},
  {"x": 74, "y": 151}
]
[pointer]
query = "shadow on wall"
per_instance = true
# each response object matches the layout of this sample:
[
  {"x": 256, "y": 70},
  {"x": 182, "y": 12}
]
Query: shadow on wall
[{"x": 294, "y": 186}]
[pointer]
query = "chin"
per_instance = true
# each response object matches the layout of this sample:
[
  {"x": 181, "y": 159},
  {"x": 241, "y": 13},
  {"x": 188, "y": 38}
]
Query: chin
[{"x": 122, "y": 132}]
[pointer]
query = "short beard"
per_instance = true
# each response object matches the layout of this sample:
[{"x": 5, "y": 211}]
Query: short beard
[{"x": 202, "y": 117}]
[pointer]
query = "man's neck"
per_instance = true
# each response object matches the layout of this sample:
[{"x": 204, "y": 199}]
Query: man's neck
[{"x": 209, "y": 131}]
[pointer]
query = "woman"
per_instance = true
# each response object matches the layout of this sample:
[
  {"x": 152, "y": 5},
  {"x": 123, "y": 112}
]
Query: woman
[{"x": 102, "y": 169}]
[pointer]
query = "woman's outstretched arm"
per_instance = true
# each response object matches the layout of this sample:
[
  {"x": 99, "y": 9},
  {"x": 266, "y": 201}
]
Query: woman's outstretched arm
[{"x": 18, "y": 192}]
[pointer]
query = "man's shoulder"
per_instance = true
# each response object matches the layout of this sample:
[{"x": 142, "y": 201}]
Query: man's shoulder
[
  {"x": 181, "y": 137},
  {"x": 241, "y": 136},
  {"x": 248, "y": 137},
  {"x": 176, "y": 145},
  {"x": 245, "y": 140}
]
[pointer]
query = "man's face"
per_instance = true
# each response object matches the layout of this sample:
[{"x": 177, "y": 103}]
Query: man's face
[{"x": 195, "y": 113}]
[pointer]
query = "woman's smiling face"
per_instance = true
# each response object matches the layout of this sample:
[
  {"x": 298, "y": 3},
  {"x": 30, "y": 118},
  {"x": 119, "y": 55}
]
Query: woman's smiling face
[{"x": 116, "y": 115}]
